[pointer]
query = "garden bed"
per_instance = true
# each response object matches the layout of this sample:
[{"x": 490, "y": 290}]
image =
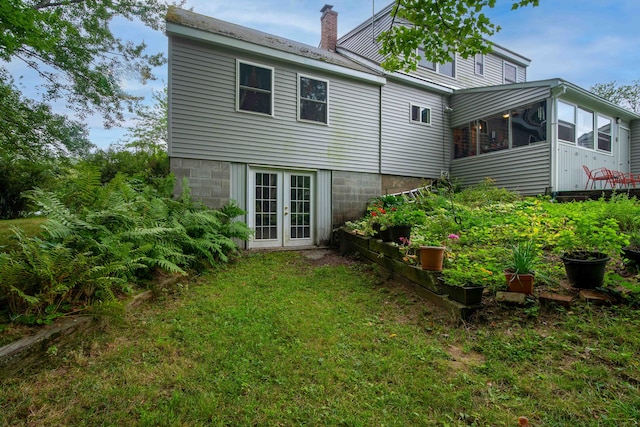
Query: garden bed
[{"x": 427, "y": 284}]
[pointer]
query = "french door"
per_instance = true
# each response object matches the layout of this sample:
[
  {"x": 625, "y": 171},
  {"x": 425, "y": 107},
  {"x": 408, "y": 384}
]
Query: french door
[{"x": 281, "y": 208}]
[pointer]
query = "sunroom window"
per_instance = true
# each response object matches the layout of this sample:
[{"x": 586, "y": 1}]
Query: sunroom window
[
  {"x": 584, "y": 127},
  {"x": 255, "y": 88},
  {"x": 518, "y": 127},
  {"x": 313, "y": 98},
  {"x": 604, "y": 133},
  {"x": 566, "y": 122}
]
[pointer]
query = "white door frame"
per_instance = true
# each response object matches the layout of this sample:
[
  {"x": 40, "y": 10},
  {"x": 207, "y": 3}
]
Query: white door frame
[
  {"x": 626, "y": 157},
  {"x": 281, "y": 221}
]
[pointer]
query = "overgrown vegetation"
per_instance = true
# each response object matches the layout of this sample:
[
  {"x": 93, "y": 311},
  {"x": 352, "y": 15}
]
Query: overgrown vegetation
[
  {"x": 277, "y": 339},
  {"x": 488, "y": 221},
  {"x": 99, "y": 240}
]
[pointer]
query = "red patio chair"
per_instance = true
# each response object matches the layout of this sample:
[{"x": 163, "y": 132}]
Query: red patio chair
[
  {"x": 622, "y": 179},
  {"x": 601, "y": 174}
]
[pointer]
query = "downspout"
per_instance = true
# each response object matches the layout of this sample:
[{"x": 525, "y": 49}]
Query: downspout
[
  {"x": 380, "y": 131},
  {"x": 444, "y": 135}
]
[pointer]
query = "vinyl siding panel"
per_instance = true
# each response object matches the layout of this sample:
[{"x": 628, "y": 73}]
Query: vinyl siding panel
[
  {"x": 408, "y": 148},
  {"x": 476, "y": 105},
  {"x": 524, "y": 169},
  {"x": 570, "y": 160},
  {"x": 205, "y": 124},
  {"x": 635, "y": 146},
  {"x": 362, "y": 42}
]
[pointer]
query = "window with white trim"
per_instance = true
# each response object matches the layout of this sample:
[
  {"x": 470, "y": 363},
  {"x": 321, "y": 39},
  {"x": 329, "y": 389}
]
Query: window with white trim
[
  {"x": 420, "y": 114},
  {"x": 566, "y": 122},
  {"x": 584, "y": 127},
  {"x": 510, "y": 73},
  {"x": 479, "y": 64},
  {"x": 254, "y": 88},
  {"x": 313, "y": 95},
  {"x": 577, "y": 125},
  {"x": 446, "y": 69},
  {"x": 604, "y": 132}
]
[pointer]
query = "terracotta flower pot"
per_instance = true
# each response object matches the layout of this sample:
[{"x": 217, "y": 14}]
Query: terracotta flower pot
[
  {"x": 522, "y": 283},
  {"x": 431, "y": 257}
]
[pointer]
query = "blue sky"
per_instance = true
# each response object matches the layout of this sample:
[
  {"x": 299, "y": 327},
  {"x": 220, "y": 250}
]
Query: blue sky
[{"x": 582, "y": 41}]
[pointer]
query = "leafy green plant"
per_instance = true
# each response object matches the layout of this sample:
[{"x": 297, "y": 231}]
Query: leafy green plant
[
  {"x": 464, "y": 271},
  {"x": 524, "y": 258},
  {"x": 121, "y": 233},
  {"x": 588, "y": 231}
]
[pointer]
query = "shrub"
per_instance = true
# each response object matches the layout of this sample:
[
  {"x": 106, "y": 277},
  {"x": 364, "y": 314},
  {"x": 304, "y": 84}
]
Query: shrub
[{"x": 108, "y": 237}]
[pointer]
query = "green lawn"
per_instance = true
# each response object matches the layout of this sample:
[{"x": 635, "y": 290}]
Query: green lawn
[{"x": 277, "y": 339}]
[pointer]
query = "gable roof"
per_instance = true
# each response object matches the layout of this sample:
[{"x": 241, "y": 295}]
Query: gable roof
[
  {"x": 192, "y": 25},
  {"x": 498, "y": 50}
]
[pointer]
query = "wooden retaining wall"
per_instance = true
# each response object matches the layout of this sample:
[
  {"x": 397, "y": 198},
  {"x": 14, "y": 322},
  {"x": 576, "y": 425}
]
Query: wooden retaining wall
[{"x": 388, "y": 256}]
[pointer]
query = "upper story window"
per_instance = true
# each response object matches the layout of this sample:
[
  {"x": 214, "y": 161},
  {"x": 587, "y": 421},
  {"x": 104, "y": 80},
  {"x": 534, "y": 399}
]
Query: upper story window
[
  {"x": 510, "y": 73},
  {"x": 420, "y": 114},
  {"x": 255, "y": 88},
  {"x": 578, "y": 126},
  {"x": 446, "y": 69},
  {"x": 479, "y": 64},
  {"x": 313, "y": 99}
]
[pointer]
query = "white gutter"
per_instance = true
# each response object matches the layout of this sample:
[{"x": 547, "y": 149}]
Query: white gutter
[{"x": 231, "y": 43}]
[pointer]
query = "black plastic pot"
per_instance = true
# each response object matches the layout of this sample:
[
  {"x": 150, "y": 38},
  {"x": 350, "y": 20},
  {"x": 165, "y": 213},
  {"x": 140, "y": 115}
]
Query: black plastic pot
[
  {"x": 467, "y": 295},
  {"x": 632, "y": 254},
  {"x": 585, "y": 269}
]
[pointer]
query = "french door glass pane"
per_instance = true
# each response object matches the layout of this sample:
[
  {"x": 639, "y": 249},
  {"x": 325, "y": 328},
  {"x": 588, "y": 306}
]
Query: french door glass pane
[
  {"x": 300, "y": 207},
  {"x": 266, "y": 199}
]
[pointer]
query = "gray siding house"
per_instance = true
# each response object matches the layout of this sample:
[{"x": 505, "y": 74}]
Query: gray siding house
[{"x": 303, "y": 137}]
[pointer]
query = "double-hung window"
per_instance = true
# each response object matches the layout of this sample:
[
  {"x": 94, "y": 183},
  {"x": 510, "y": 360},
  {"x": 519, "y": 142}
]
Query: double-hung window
[
  {"x": 479, "y": 64},
  {"x": 313, "y": 95},
  {"x": 510, "y": 73},
  {"x": 255, "y": 88},
  {"x": 446, "y": 69},
  {"x": 420, "y": 114}
]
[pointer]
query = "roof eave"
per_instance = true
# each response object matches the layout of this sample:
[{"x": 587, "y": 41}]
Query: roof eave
[{"x": 174, "y": 29}]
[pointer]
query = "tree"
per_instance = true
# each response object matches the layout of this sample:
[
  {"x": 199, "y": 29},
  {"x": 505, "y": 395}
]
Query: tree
[
  {"x": 150, "y": 132},
  {"x": 79, "y": 60},
  {"x": 142, "y": 153},
  {"x": 440, "y": 28},
  {"x": 626, "y": 96}
]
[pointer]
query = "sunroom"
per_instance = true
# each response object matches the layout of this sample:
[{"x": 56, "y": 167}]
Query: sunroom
[{"x": 536, "y": 137}]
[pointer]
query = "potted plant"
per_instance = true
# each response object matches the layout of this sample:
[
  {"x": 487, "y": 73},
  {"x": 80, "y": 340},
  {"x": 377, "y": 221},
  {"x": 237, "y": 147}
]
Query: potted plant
[
  {"x": 465, "y": 280},
  {"x": 585, "y": 244},
  {"x": 432, "y": 239},
  {"x": 520, "y": 269},
  {"x": 396, "y": 221},
  {"x": 632, "y": 250}
]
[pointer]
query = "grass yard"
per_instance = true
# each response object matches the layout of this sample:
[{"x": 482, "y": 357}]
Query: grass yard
[{"x": 279, "y": 339}]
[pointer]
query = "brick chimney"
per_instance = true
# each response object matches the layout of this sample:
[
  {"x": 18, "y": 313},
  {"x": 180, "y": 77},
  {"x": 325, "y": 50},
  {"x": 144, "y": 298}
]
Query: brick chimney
[{"x": 329, "y": 28}]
